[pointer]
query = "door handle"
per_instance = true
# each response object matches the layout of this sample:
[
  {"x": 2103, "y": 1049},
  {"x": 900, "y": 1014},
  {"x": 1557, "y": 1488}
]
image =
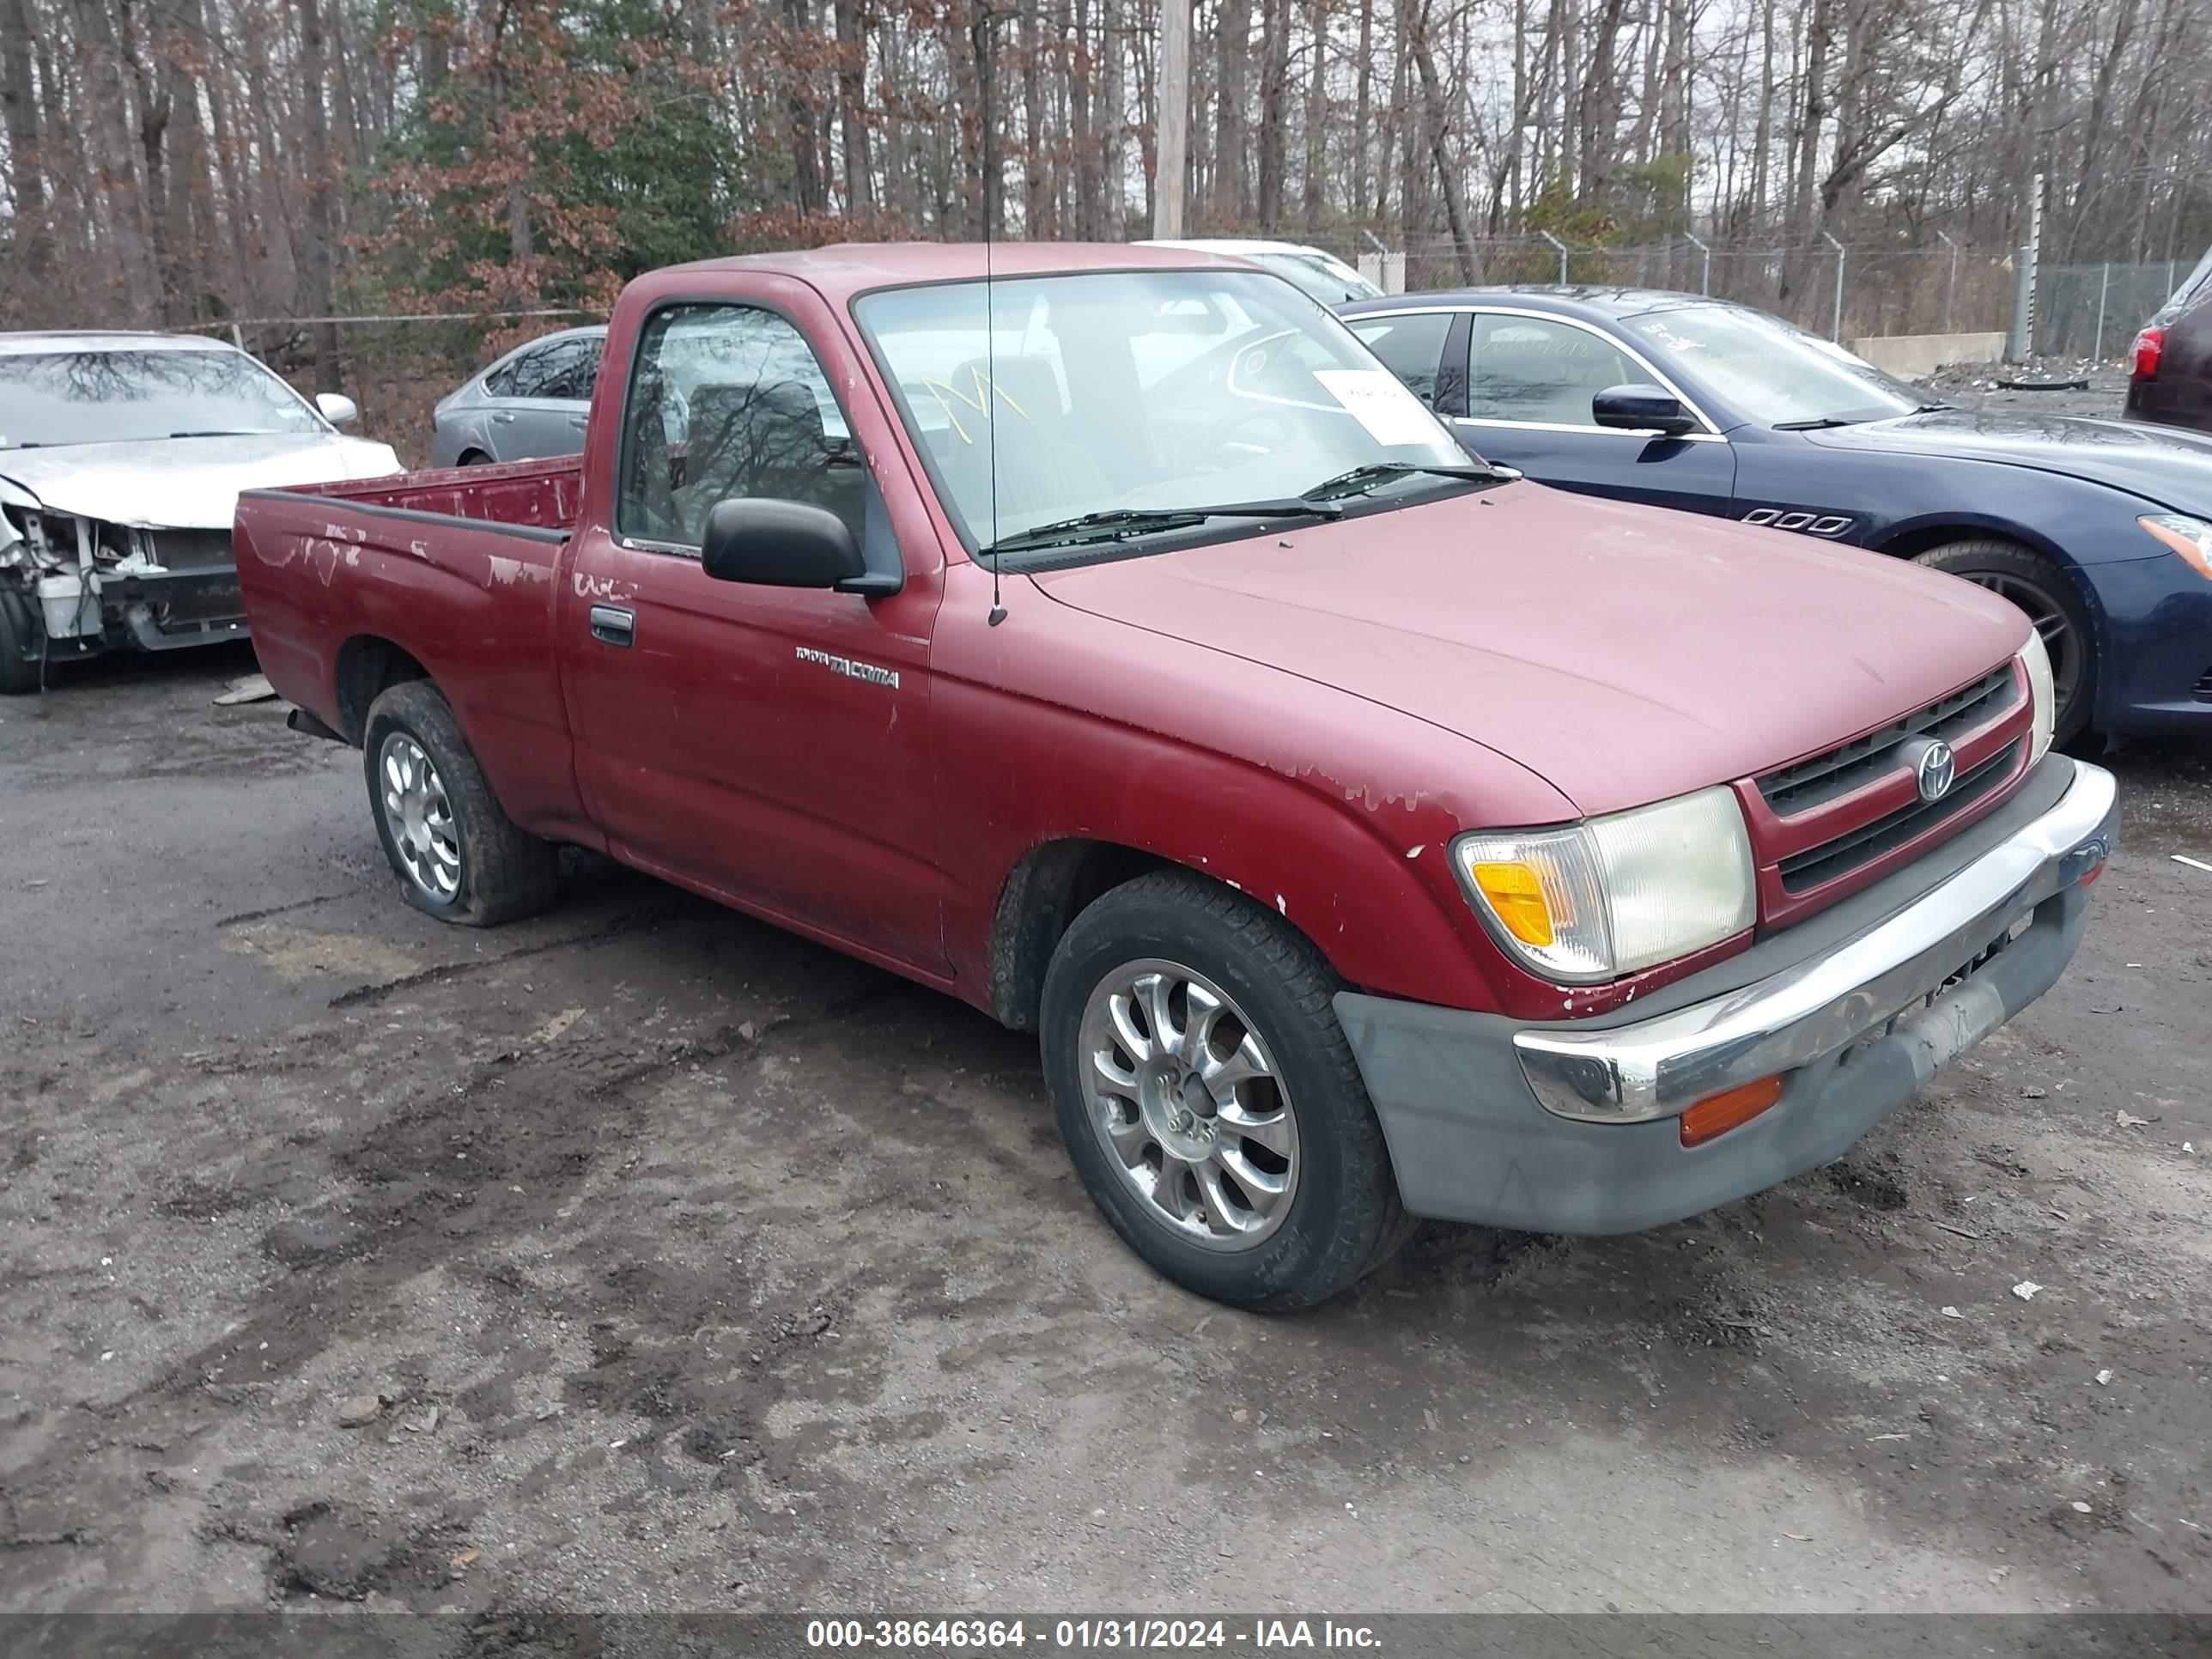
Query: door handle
[
  {"x": 580, "y": 422},
  {"x": 611, "y": 625},
  {"x": 503, "y": 416}
]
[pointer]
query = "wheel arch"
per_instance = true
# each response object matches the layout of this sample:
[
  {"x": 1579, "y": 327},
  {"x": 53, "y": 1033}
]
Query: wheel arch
[
  {"x": 1912, "y": 539},
  {"x": 368, "y": 665},
  {"x": 1049, "y": 887}
]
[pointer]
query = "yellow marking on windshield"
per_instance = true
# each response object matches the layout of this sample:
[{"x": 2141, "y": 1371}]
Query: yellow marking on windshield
[{"x": 980, "y": 404}]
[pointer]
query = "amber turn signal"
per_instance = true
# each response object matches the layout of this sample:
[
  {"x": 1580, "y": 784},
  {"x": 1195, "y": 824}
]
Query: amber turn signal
[
  {"x": 1516, "y": 898},
  {"x": 1716, "y": 1115}
]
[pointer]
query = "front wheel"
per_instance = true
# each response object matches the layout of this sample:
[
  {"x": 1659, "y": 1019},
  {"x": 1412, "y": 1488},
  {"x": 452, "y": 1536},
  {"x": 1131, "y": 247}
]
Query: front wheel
[
  {"x": 1209, "y": 1100},
  {"x": 2047, "y": 594},
  {"x": 458, "y": 855}
]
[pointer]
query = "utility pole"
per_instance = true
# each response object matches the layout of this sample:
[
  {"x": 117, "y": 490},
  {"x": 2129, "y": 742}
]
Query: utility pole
[{"x": 1174, "y": 163}]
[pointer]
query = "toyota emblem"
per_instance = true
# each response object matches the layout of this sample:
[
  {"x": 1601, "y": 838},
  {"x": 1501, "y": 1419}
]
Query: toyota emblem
[{"x": 1935, "y": 769}]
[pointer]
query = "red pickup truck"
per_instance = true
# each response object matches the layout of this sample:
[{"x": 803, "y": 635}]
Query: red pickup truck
[{"x": 1100, "y": 635}]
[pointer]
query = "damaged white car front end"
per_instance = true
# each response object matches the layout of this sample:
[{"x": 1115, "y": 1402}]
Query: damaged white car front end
[{"x": 121, "y": 461}]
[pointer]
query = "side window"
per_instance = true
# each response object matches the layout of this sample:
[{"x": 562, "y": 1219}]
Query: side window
[
  {"x": 500, "y": 382},
  {"x": 729, "y": 400},
  {"x": 542, "y": 373},
  {"x": 571, "y": 375},
  {"x": 1532, "y": 368},
  {"x": 1411, "y": 345}
]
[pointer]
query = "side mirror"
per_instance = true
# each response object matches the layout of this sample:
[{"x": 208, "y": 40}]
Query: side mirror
[
  {"x": 1642, "y": 408},
  {"x": 774, "y": 543},
  {"x": 337, "y": 409}
]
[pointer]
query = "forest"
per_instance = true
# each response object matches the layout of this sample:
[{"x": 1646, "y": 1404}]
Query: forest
[{"x": 191, "y": 162}]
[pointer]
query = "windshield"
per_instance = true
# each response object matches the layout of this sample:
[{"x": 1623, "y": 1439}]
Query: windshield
[
  {"x": 53, "y": 397},
  {"x": 1329, "y": 281},
  {"x": 1135, "y": 391},
  {"x": 1776, "y": 375}
]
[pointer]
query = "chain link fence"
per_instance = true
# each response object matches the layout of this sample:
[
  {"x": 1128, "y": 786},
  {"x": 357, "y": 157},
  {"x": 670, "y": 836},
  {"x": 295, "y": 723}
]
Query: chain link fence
[
  {"x": 1883, "y": 288},
  {"x": 2094, "y": 311},
  {"x": 2082, "y": 311},
  {"x": 397, "y": 368}
]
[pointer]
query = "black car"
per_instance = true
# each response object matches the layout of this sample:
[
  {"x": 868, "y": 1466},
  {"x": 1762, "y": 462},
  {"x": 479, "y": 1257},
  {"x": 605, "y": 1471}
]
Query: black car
[
  {"x": 2173, "y": 379},
  {"x": 2101, "y": 530}
]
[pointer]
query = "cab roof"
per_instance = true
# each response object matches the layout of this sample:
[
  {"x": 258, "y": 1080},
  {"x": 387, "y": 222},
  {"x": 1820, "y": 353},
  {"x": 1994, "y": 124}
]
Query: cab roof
[{"x": 847, "y": 268}]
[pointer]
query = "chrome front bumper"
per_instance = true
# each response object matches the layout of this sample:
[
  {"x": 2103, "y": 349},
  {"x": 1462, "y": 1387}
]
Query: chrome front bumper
[{"x": 1661, "y": 1067}]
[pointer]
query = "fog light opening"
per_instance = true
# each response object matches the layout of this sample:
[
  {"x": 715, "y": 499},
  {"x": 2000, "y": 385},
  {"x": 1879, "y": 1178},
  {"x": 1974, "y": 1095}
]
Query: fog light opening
[{"x": 1716, "y": 1115}]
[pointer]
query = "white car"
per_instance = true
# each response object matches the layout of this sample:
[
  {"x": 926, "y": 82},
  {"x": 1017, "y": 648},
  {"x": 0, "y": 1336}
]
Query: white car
[
  {"x": 121, "y": 459},
  {"x": 1323, "y": 275}
]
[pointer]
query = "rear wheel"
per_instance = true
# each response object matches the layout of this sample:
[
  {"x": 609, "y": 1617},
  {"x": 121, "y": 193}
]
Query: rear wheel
[
  {"x": 458, "y": 855},
  {"x": 2047, "y": 594},
  {"x": 22, "y": 645},
  {"x": 1209, "y": 1100},
  {"x": 473, "y": 458}
]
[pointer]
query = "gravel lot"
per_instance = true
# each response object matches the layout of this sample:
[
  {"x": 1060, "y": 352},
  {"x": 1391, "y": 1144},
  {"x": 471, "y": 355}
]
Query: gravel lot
[{"x": 674, "y": 1263}]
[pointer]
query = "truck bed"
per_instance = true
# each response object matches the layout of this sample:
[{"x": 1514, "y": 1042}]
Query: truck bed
[
  {"x": 445, "y": 567},
  {"x": 532, "y": 495}
]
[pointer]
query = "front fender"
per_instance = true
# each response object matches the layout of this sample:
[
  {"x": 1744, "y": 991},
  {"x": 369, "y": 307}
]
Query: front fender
[{"x": 1335, "y": 813}]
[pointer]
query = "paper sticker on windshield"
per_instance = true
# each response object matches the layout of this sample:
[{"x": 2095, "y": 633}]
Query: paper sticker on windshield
[{"x": 1378, "y": 400}]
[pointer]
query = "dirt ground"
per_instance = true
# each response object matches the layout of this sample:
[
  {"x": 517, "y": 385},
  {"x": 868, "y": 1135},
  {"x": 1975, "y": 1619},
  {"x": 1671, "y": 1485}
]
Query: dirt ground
[{"x": 675, "y": 1264}]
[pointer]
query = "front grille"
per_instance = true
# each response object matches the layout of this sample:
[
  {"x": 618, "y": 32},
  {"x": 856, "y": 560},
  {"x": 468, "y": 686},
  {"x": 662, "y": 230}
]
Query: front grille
[
  {"x": 1830, "y": 776},
  {"x": 191, "y": 550},
  {"x": 1847, "y": 852}
]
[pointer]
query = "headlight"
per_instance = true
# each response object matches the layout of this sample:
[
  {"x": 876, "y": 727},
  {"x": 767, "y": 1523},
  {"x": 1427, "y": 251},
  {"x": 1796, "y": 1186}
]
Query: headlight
[
  {"x": 2036, "y": 659},
  {"x": 1610, "y": 896},
  {"x": 2190, "y": 538}
]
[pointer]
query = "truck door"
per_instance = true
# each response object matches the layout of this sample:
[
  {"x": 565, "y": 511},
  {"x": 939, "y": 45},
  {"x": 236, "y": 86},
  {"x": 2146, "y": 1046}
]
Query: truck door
[{"x": 768, "y": 744}]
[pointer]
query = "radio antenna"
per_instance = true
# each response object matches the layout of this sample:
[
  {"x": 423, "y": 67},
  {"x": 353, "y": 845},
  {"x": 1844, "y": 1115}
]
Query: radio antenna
[{"x": 986, "y": 59}]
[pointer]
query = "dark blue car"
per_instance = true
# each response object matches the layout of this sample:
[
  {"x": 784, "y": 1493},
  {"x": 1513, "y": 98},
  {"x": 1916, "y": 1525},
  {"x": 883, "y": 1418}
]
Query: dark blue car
[{"x": 2101, "y": 530}]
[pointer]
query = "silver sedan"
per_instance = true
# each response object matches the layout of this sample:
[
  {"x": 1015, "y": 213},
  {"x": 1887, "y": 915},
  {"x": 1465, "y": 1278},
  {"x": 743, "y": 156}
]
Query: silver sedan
[{"x": 531, "y": 404}]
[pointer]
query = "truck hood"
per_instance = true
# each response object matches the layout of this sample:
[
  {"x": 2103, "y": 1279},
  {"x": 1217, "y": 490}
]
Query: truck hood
[
  {"x": 2162, "y": 465},
  {"x": 184, "y": 483},
  {"x": 1624, "y": 653}
]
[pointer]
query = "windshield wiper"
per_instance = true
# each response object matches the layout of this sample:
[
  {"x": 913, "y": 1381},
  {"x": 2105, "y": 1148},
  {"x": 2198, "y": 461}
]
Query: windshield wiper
[
  {"x": 1115, "y": 523},
  {"x": 1820, "y": 422},
  {"x": 227, "y": 432},
  {"x": 1361, "y": 479}
]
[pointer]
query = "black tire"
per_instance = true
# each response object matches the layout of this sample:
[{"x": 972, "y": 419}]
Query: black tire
[
  {"x": 501, "y": 874},
  {"x": 22, "y": 645},
  {"x": 2052, "y": 602},
  {"x": 1343, "y": 1218},
  {"x": 473, "y": 458}
]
